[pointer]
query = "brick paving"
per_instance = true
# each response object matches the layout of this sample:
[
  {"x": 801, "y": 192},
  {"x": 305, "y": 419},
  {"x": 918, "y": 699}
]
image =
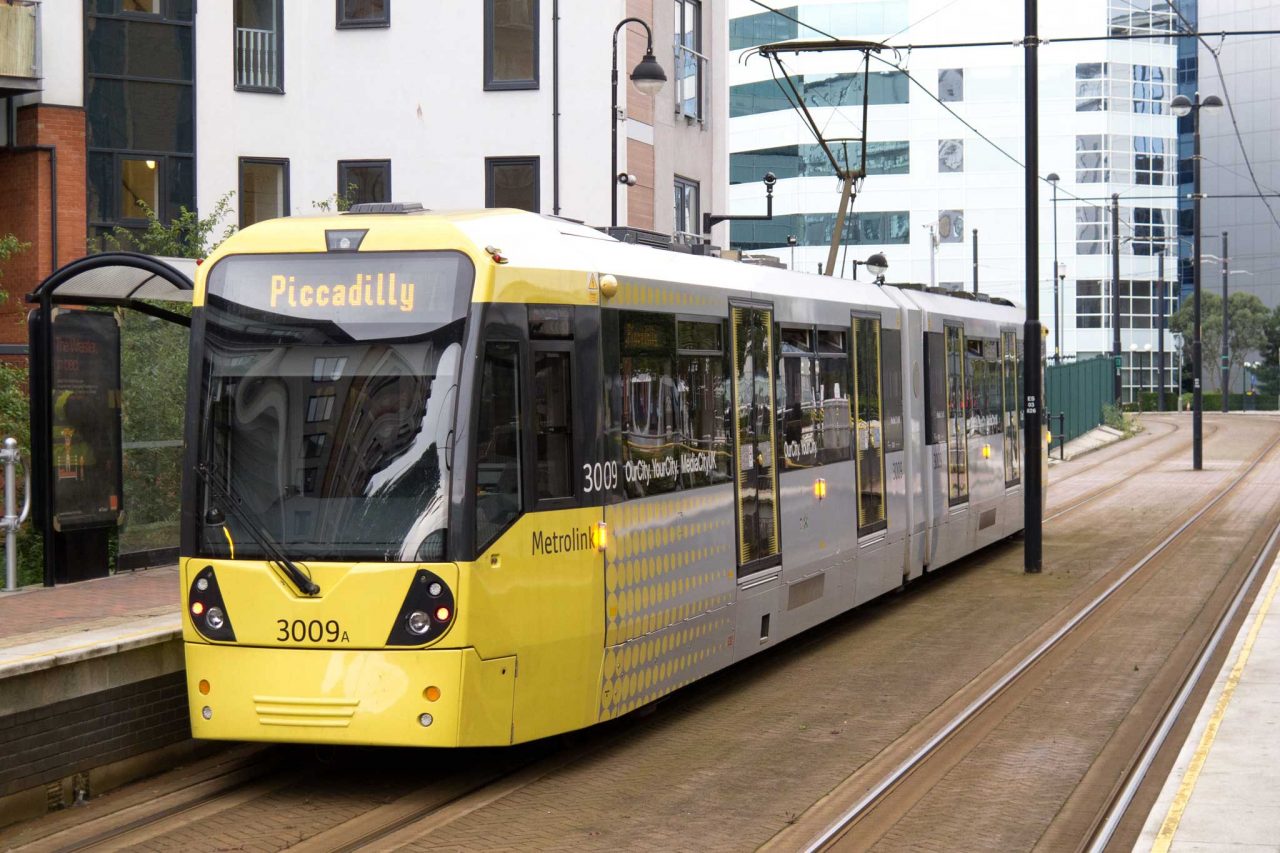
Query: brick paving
[{"x": 43, "y": 613}]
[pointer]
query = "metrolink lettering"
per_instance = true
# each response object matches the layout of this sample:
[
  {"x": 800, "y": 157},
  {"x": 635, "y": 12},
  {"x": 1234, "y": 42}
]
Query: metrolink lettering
[
  {"x": 561, "y": 543},
  {"x": 368, "y": 290}
]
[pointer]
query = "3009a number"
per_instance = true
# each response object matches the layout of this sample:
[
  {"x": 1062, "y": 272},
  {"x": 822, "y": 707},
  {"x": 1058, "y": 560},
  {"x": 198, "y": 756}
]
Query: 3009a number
[
  {"x": 602, "y": 476},
  {"x": 313, "y": 631}
]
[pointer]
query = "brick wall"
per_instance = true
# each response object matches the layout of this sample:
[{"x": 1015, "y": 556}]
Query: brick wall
[
  {"x": 48, "y": 743},
  {"x": 26, "y": 202}
]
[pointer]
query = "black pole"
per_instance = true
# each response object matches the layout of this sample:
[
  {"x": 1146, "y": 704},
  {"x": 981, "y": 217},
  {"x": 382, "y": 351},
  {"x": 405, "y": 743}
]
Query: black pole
[
  {"x": 1197, "y": 367},
  {"x": 613, "y": 113},
  {"x": 1160, "y": 329},
  {"x": 1226, "y": 328},
  {"x": 975, "y": 261},
  {"x": 555, "y": 107},
  {"x": 1115, "y": 292},
  {"x": 1032, "y": 345},
  {"x": 1057, "y": 320}
]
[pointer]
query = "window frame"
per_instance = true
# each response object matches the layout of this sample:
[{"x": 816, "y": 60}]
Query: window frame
[
  {"x": 877, "y": 526},
  {"x": 490, "y": 187},
  {"x": 277, "y": 89},
  {"x": 534, "y": 82},
  {"x": 264, "y": 161},
  {"x": 682, "y": 8},
  {"x": 344, "y": 165},
  {"x": 343, "y": 23},
  {"x": 520, "y": 358},
  {"x": 682, "y": 186}
]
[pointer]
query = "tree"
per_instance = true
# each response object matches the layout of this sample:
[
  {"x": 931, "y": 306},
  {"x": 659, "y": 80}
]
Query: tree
[
  {"x": 9, "y": 246},
  {"x": 1249, "y": 322},
  {"x": 186, "y": 236}
]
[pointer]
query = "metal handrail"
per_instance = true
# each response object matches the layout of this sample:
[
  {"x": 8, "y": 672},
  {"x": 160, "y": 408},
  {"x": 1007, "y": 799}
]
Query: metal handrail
[{"x": 10, "y": 457}]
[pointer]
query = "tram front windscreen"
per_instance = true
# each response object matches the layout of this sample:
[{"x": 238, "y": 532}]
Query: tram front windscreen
[{"x": 327, "y": 395}]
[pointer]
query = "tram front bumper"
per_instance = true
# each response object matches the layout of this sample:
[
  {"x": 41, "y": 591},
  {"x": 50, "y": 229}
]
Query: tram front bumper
[{"x": 349, "y": 697}]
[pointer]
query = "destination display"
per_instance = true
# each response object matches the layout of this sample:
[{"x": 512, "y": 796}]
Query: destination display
[{"x": 359, "y": 291}]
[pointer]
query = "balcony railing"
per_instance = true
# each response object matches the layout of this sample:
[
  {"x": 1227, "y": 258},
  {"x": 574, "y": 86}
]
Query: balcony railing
[
  {"x": 19, "y": 46},
  {"x": 257, "y": 59}
]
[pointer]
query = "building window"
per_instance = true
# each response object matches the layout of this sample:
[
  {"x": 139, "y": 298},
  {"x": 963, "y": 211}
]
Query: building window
[
  {"x": 1142, "y": 17},
  {"x": 140, "y": 7},
  {"x": 951, "y": 84},
  {"x": 1093, "y": 228},
  {"x": 951, "y": 226},
  {"x": 950, "y": 155},
  {"x": 1153, "y": 160},
  {"x": 1149, "y": 89},
  {"x": 687, "y": 219},
  {"x": 139, "y": 188},
  {"x": 259, "y": 45},
  {"x": 877, "y": 228},
  {"x": 1091, "y": 86},
  {"x": 140, "y": 113},
  {"x": 1138, "y": 304},
  {"x": 264, "y": 190},
  {"x": 511, "y": 44},
  {"x": 690, "y": 63},
  {"x": 820, "y": 90},
  {"x": 810, "y": 161},
  {"x": 1091, "y": 160},
  {"x": 364, "y": 181},
  {"x": 353, "y": 14},
  {"x": 512, "y": 182}
]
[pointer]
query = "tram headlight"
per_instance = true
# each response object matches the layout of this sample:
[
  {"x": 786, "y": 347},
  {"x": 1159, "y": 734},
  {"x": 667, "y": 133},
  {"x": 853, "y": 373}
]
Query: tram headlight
[
  {"x": 207, "y": 611},
  {"x": 418, "y": 623},
  {"x": 418, "y": 620}
]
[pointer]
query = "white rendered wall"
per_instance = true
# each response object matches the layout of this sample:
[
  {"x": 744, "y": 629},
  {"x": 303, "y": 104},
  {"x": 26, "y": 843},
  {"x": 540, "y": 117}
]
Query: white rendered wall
[{"x": 414, "y": 93}]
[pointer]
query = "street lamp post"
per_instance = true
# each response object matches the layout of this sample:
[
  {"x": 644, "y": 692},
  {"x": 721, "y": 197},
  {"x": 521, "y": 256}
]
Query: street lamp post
[
  {"x": 648, "y": 77},
  {"x": 1182, "y": 106},
  {"x": 1160, "y": 332},
  {"x": 1226, "y": 327},
  {"x": 876, "y": 264},
  {"x": 1053, "y": 178}
]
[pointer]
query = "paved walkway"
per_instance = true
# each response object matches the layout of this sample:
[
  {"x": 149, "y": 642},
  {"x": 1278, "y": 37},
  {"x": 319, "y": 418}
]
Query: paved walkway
[
  {"x": 1223, "y": 793},
  {"x": 42, "y": 627}
]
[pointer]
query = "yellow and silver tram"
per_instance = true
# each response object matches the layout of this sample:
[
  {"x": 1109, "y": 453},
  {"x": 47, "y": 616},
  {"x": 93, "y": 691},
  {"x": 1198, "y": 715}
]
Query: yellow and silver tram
[{"x": 480, "y": 478}]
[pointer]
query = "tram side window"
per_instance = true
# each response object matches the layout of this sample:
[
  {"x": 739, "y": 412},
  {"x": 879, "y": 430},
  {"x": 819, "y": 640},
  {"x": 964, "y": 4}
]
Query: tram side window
[
  {"x": 891, "y": 382},
  {"x": 1009, "y": 411},
  {"x": 870, "y": 424},
  {"x": 936, "y": 388},
  {"x": 958, "y": 405},
  {"x": 553, "y": 418},
  {"x": 498, "y": 496},
  {"x": 835, "y": 439},
  {"x": 799, "y": 421},
  {"x": 702, "y": 405},
  {"x": 650, "y": 462}
]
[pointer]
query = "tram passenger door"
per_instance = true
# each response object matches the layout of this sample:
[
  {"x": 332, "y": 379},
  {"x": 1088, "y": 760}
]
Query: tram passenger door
[{"x": 753, "y": 401}]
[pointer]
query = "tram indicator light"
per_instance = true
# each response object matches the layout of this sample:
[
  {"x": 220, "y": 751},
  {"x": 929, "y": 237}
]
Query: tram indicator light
[
  {"x": 348, "y": 240},
  {"x": 820, "y": 488},
  {"x": 600, "y": 536}
]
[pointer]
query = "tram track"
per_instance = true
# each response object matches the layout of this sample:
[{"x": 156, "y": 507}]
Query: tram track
[
  {"x": 1182, "y": 445},
  {"x": 406, "y": 813},
  {"x": 931, "y": 750}
]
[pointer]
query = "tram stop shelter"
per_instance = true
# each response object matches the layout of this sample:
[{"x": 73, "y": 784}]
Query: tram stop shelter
[{"x": 76, "y": 399}]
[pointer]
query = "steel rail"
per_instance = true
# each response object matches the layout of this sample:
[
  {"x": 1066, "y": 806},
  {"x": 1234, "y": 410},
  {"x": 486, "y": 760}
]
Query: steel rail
[
  {"x": 1120, "y": 804},
  {"x": 904, "y": 769}
]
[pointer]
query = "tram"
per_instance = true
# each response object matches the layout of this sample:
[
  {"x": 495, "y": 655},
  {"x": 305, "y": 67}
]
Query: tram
[{"x": 480, "y": 478}]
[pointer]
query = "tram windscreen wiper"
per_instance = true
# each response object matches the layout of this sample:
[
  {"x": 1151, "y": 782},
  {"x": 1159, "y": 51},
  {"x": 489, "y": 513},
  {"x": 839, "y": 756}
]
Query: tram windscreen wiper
[{"x": 275, "y": 556}]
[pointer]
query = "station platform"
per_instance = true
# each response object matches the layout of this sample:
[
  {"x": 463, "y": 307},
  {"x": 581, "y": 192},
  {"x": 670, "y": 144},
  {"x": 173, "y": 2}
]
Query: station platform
[
  {"x": 91, "y": 678},
  {"x": 1223, "y": 792}
]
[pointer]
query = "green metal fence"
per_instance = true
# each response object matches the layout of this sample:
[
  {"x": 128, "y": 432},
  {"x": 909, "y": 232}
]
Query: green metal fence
[{"x": 1079, "y": 389}]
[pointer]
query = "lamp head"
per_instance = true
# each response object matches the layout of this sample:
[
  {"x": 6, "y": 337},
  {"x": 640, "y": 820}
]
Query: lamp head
[
  {"x": 1213, "y": 102},
  {"x": 648, "y": 76},
  {"x": 1180, "y": 106},
  {"x": 1052, "y": 177},
  {"x": 877, "y": 264}
]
